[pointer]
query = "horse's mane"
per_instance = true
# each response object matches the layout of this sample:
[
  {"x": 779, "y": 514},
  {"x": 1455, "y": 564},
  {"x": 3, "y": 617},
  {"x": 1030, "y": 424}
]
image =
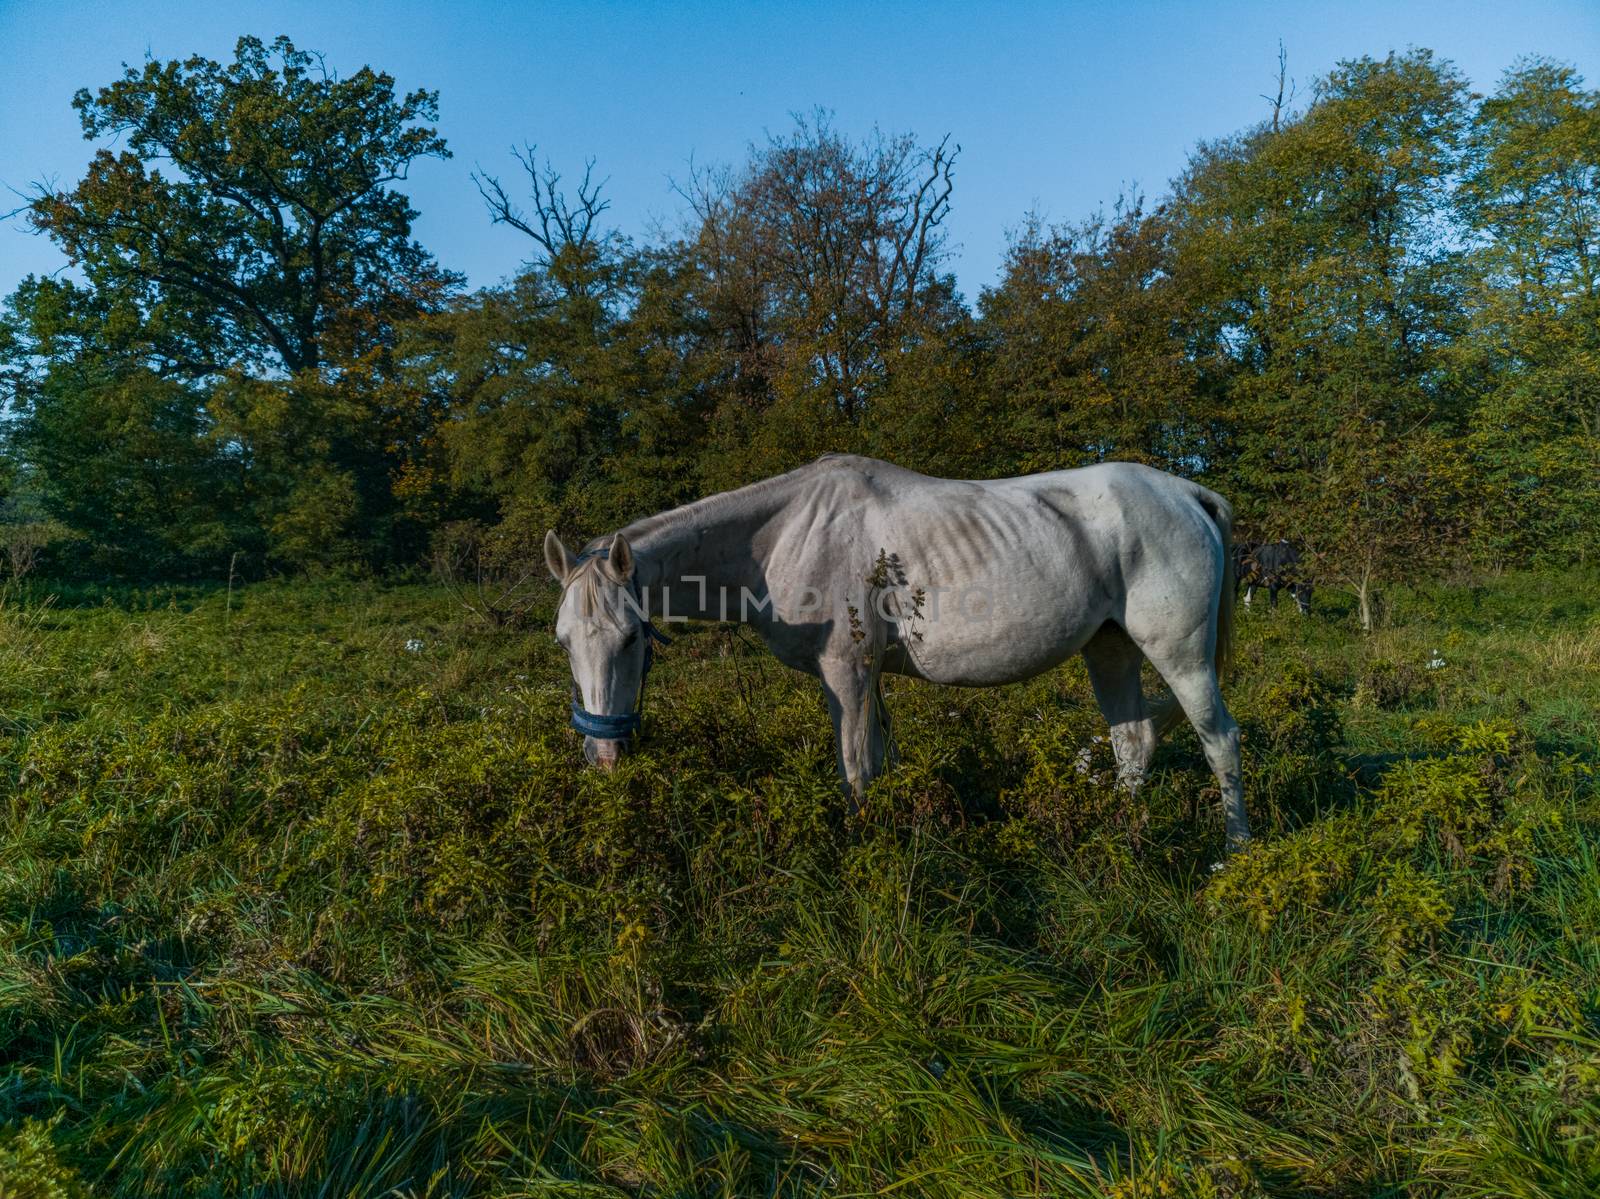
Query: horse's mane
[{"x": 586, "y": 579}]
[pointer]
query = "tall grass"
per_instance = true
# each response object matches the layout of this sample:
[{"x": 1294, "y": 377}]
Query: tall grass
[{"x": 287, "y": 908}]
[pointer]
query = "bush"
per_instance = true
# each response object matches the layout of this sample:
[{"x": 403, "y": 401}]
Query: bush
[
  {"x": 1290, "y": 732},
  {"x": 1387, "y": 685},
  {"x": 1070, "y": 788},
  {"x": 287, "y": 906},
  {"x": 30, "y": 1165}
]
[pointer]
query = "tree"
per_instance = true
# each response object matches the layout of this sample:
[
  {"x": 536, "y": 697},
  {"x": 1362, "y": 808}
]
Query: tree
[
  {"x": 1330, "y": 289},
  {"x": 253, "y": 218},
  {"x": 1089, "y": 361},
  {"x": 278, "y": 225},
  {"x": 576, "y": 394},
  {"x": 108, "y": 446},
  {"x": 820, "y": 264},
  {"x": 571, "y": 247},
  {"x": 1532, "y": 196},
  {"x": 1390, "y": 504}
]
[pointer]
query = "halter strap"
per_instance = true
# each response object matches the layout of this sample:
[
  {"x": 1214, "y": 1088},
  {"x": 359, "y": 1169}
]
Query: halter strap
[{"x": 622, "y": 726}]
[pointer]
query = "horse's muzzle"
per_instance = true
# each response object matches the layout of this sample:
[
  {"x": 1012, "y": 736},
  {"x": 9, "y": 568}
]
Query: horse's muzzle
[{"x": 603, "y": 753}]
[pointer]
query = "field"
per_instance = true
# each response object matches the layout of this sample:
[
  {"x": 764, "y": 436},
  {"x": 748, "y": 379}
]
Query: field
[{"x": 289, "y": 908}]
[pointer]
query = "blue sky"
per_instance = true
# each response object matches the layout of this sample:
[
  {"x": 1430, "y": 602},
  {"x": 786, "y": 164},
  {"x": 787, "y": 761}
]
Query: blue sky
[{"x": 1057, "y": 107}]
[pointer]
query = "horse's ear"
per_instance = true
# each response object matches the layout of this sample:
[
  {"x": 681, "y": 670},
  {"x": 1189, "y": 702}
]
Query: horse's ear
[
  {"x": 556, "y": 558},
  {"x": 619, "y": 560}
]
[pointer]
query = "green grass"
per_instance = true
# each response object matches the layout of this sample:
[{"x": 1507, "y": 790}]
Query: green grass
[{"x": 287, "y": 909}]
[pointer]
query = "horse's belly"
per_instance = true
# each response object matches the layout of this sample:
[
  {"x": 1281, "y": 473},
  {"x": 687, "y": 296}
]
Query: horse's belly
[{"x": 971, "y": 651}]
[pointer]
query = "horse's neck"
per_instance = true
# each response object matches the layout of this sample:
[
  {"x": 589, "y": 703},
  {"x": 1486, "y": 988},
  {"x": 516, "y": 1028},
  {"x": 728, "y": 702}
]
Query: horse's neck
[{"x": 696, "y": 561}]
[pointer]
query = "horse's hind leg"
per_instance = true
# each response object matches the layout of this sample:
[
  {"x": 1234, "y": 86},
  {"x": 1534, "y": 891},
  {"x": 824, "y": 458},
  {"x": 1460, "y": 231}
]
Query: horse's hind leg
[
  {"x": 1191, "y": 675},
  {"x": 1114, "y": 660}
]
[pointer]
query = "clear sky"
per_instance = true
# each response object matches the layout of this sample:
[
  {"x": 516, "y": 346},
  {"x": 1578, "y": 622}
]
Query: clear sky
[{"x": 1057, "y": 107}]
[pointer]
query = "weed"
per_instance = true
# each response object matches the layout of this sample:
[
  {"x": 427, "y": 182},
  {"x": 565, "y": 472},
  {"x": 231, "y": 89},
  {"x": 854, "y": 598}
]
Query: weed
[{"x": 288, "y": 909}]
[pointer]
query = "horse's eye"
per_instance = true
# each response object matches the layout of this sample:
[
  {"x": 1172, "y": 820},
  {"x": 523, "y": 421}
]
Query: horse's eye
[{"x": 633, "y": 635}]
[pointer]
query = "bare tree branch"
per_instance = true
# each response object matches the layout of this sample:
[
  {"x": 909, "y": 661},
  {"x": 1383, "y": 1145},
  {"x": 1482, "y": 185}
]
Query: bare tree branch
[
  {"x": 1281, "y": 101},
  {"x": 556, "y": 222}
]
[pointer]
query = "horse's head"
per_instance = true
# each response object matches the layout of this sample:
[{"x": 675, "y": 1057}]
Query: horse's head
[
  {"x": 602, "y": 626},
  {"x": 1301, "y": 590}
]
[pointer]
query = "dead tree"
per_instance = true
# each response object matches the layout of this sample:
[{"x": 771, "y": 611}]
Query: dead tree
[{"x": 567, "y": 232}]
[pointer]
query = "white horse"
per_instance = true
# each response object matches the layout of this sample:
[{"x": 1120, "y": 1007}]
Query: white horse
[{"x": 849, "y": 567}]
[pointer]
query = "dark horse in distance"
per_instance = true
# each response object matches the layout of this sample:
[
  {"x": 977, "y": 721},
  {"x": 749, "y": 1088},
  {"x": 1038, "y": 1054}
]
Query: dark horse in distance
[{"x": 1274, "y": 565}]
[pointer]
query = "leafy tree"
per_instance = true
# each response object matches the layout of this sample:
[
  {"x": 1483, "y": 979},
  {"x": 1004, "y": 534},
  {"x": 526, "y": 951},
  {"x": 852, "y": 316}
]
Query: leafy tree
[
  {"x": 1331, "y": 286},
  {"x": 819, "y": 264},
  {"x": 936, "y": 412},
  {"x": 576, "y": 394},
  {"x": 108, "y": 445},
  {"x": 1089, "y": 360},
  {"x": 253, "y": 217},
  {"x": 1390, "y": 504},
  {"x": 1532, "y": 196},
  {"x": 1373, "y": 320},
  {"x": 277, "y": 228}
]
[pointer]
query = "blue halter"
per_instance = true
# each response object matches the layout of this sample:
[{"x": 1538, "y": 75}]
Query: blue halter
[{"x": 625, "y": 725}]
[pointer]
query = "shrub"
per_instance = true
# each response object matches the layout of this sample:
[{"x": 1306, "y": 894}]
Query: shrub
[
  {"x": 1409, "y": 911},
  {"x": 1289, "y": 734},
  {"x": 1387, "y": 685},
  {"x": 1070, "y": 787},
  {"x": 1300, "y": 872},
  {"x": 30, "y": 1165}
]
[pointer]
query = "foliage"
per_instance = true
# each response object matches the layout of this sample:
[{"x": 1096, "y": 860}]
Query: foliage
[
  {"x": 829, "y": 250},
  {"x": 30, "y": 1167},
  {"x": 278, "y": 231},
  {"x": 110, "y": 446},
  {"x": 1331, "y": 292},
  {"x": 1089, "y": 363},
  {"x": 1532, "y": 197},
  {"x": 251, "y": 286},
  {"x": 1369, "y": 320},
  {"x": 308, "y": 888},
  {"x": 303, "y": 887}
]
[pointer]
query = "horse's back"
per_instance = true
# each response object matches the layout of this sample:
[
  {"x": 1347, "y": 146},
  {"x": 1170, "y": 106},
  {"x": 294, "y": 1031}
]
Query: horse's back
[
  {"x": 1109, "y": 503},
  {"x": 1020, "y": 572}
]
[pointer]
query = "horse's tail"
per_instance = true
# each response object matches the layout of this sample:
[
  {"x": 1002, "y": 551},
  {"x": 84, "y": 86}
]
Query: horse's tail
[
  {"x": 1221, "y": 514},
  {"x": 1165, "y": 710}
]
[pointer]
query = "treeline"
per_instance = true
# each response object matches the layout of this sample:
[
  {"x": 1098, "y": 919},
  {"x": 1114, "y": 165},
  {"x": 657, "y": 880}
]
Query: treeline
[{"x": 1373, "y": 321}]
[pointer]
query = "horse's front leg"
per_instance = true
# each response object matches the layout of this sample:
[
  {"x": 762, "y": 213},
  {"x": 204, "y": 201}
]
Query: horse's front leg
[{"x": 860, "y": 723}]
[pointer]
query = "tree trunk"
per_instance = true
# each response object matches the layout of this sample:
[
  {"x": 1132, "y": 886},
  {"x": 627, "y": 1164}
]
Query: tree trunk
[{"x": 1364, "y": 600}]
